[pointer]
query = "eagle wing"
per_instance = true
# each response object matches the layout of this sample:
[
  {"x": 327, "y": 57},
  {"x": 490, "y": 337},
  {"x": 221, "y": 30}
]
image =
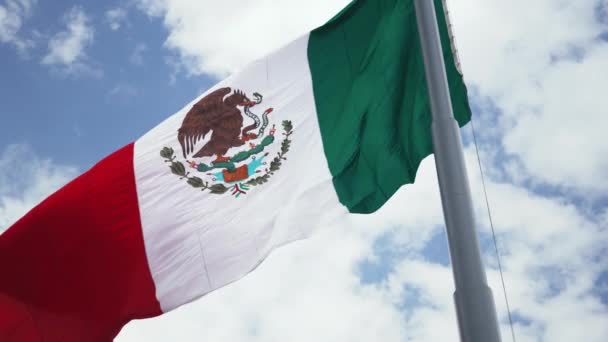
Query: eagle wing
[{"x": 201, "y": 118}]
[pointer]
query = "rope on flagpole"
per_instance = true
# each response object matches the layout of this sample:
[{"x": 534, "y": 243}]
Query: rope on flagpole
[{"x": 485, "y": 192}]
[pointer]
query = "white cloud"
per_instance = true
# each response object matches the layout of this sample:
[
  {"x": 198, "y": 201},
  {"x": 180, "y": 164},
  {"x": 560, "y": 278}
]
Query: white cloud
[
  {"x": 67, "y": 48},
  {"x": 219, "y": 37},
  {"x": 26, "y": 179},
  {"x": 542, "y": 64},
  {"x": 116, "y": 17},
  {"x": 12, "y": 15},
  {"x": 553, "y": 253}
]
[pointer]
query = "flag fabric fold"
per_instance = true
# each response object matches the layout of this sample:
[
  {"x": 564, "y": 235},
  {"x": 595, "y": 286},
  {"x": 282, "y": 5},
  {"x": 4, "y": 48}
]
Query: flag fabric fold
[{"x": 333, "y": 123}]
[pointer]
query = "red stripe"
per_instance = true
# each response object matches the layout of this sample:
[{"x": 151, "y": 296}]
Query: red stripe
[{"x": 74, "y": 268}]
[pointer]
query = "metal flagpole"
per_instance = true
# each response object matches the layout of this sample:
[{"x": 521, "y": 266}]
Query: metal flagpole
[{"x": 475, "y": 309}]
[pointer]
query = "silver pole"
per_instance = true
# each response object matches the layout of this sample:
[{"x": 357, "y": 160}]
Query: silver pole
[{"x": 475, "y": 309}]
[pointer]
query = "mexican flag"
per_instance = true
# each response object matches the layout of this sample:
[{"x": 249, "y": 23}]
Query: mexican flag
[{"x": 331, "y": 124}]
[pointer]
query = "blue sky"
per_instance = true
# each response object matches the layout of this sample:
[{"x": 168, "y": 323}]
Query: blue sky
[
  {"x": 78, "y": 117},
  {"x": 82, "y": 79}
]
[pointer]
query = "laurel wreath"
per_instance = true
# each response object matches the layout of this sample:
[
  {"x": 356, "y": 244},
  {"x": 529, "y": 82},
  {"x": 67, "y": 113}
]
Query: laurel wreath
[{"x": 178, "y": 168}]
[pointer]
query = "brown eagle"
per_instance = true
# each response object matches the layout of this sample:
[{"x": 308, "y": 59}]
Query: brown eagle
[{"x": 218, "y": 114}]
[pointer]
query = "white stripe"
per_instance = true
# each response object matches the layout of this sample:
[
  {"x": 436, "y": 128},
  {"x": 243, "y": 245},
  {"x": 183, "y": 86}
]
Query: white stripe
[{"x": 196, "y": 241}]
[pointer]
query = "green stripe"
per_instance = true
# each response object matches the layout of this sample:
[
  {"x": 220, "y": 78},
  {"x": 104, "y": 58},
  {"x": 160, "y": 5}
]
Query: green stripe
[{"x": 371, "y": 98}]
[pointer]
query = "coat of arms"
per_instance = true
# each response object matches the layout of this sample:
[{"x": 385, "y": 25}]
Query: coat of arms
[{"x": 234, "y": 158}]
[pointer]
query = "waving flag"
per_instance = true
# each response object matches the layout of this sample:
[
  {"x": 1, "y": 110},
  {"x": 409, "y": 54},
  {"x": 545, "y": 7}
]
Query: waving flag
[{"x": 334, "y": 122}]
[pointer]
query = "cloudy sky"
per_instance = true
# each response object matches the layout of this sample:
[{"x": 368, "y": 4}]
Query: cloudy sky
[{"x": 81, "y": 79}]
